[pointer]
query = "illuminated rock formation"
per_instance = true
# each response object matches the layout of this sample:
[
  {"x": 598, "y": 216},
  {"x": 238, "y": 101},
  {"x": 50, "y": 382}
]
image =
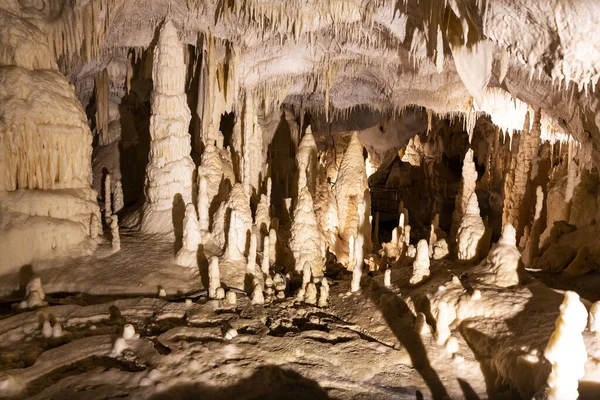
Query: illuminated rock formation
[{"x": 170, "y": 167}]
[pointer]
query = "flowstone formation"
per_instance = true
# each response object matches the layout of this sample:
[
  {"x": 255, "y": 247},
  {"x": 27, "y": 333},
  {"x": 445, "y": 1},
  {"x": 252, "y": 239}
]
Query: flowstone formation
[
  {"x": 170, "y": 167},
  {"x": 46, "y": 201}
]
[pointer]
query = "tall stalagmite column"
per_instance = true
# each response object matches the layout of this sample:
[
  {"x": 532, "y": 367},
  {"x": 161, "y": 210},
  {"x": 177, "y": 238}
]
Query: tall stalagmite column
[
  {"x": 170, "y": 167},
  {"x": 252, "y": 149},
  {"x": 516, "y": 182},
  {"x": 466, "y": 189}
]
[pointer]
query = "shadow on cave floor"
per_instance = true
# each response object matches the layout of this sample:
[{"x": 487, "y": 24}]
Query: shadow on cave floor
[
  {"x": 401, "y": 322},
  {"x": 586, "y": 286},
  {"x": 267, "y": 383},
  {"x": 505, "y": 345}
]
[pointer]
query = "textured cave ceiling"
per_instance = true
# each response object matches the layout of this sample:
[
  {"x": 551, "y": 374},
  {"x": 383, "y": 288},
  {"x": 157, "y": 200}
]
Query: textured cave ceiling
[{"x": 447, "y": 56}]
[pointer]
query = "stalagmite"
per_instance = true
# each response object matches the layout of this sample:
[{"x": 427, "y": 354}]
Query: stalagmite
[
  {"x": 170, "y": 167},
  {"x": 305, "y": 241},
  {"x": 272, "y": 246},
  {"x": 466, "y": 189},
  {"x": 230, "y": 230},
  {"x": 95, "y": 226},
  {"x": 187, "y": 255},
  {"x": 470, "y": 232},
  {"x": 251, "y": 261},
  {"x": 350, "y": 189},
  {"x": 306, "y": 160},
  {"x": 421, "y": 264},
  {"x": 503, "y": 262},
  {"x": 216, "y": 168},
  {"x": 252, "y": 147},
  {"x": 531, "y": 250},
  {"x": 214, "y": 277},
  {"x": 263, "y": 216},
  {"x": 118, "y": 200},
  {"x": 34, "y": 294},
  {"x": 566, "y": 350},
  {"x": 257, "y": 292},
  {"x": 114, "y": 230},
  {"x": 323, "y": 293},
  {"x": 231, "y": 298},
  {"x": 387, "y": 278},
  {"x": 265, "y": 265},
  {"x": 107, "y": 199},
  {"x": 517, "y": 180},
  {"x": 235, "y": 243},
  {"x": 203, "y": 204},
  {"x": 440, "y": 249},
  {"x": 311, "y": 294}
]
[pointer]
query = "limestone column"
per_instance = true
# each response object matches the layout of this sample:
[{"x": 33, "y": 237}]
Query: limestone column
[{"x": 170, "y": 167}]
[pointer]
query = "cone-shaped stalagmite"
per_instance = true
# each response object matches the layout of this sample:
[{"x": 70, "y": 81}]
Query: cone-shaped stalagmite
[{"x": 305, "y": 241}]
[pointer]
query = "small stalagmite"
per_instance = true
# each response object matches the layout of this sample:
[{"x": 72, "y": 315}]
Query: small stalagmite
[
  {"x": 323, "y": 293},
  {"x": 258, "y": 297},
  {"x": 214, "y": 277},
  {"x": 272, "y": 246},
  {"x": 504, "y": 260},
  {"x": 187, "y": 255},
  {"x": 107, "y": 199},
  {"x": 114, "y": 230},
  {"x": 118, "y": 199},
  {"x": 265, "y": 265},
  {"x": 421, "y": 264}
]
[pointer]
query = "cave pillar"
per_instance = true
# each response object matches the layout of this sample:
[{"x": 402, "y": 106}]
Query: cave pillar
[{"x": 170, "y": 167}]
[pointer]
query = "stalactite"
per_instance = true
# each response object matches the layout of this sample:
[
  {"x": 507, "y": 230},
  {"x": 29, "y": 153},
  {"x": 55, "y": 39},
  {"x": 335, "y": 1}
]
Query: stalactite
[{"x": 102, "y": 92}]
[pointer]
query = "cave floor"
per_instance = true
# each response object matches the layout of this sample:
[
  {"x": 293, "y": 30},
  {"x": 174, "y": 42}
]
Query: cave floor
[{"x": 363, "y": 345}]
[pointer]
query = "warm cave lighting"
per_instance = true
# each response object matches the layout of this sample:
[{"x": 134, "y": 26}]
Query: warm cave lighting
[{"x": 299, "y": 199}]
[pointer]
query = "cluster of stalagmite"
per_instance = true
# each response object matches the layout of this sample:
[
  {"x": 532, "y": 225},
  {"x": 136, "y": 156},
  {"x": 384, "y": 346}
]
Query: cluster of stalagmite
[
  {"x": 170, "y": 167},
  {"x": 517, "y": 180}
]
